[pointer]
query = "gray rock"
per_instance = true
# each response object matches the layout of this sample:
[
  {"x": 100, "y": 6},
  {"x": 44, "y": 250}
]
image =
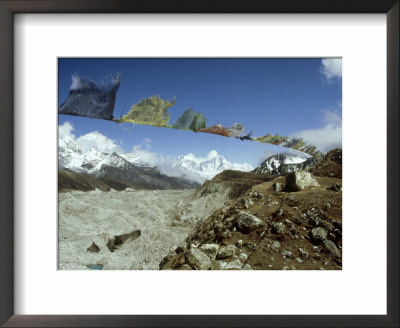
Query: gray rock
[
  {"x": 291, "y": 198},
  {"x": 234, "y": 265},
  {"x": 243, "y": 257},
  {"x": 318, "y": 235},
  {"x": 276, "y": 244},
  {"x": 331, "y": 247},
  {"x": 303, "y": 253},
  {"x": 197, "y": 259},
  {"x": 226, "y": 251},
  {"x": 246, "y": 267},
  {"x": 215, "y": 265},
  {"x": 286, "y": 253},
  {"x": 209, "y": 249},
  {"x": 247, "y": 222},
  {"x": 259, "y": 195},
  {"x": 277, "y": 187},
  {"x": 278, "y": 228},
  {"x": 93, "y": 248},
  {"x": 300, "y": 180}
]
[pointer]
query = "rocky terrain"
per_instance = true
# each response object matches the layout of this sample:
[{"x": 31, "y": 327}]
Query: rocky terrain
[
  {"x": 129, "y": 229},
  {"x": 288, "y": 222},
  {"x": 236, "y": 220},
  {"x": 330, "y": 166}
]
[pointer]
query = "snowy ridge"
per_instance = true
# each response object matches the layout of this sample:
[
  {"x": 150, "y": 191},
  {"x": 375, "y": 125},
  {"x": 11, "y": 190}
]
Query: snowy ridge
[
  {"x": 70, "y": 155},
  {"x": 284, "y": 163},
  {"x": 188, "y": 166},
  {"x": 210, "y": 166},
  {"x": 134, "y": 159},
  {"x": 92, "y": 158}
]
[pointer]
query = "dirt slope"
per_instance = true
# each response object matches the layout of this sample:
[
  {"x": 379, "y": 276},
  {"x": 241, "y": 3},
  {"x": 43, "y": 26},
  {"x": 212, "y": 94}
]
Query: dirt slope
[{"x": 286, "y": 230}]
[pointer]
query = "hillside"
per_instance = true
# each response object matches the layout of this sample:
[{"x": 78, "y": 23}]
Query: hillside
[
  {"x": 266, "y": 225},
  {"x": 70, "y": 180}
]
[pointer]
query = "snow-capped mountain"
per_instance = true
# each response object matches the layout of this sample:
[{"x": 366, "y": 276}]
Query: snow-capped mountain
[
  {"x": 284, "y": 163},
  {"x": 208, "y": 167},
  {"x": 116, "y": 168},
  {"x": 92, "y": 158},
  {"x": 129, "y": 166},
  {"x": 70, "y": 154},
  {"x": 135, "y": 159}
]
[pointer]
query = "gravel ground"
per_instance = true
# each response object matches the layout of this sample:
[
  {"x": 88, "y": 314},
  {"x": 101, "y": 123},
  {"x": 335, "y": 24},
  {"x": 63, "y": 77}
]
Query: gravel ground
[{"x": 164, "y": 217}]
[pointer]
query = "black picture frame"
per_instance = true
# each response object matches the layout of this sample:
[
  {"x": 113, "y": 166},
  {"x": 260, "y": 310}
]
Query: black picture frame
[{"x": 10, "y": 7}]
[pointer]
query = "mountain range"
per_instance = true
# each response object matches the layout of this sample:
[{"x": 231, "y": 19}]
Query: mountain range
[{"x": 186, "y": 171}]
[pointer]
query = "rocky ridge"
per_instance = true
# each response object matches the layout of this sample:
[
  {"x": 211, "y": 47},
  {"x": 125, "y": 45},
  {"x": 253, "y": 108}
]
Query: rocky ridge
[{"x": 264, "y": 225}]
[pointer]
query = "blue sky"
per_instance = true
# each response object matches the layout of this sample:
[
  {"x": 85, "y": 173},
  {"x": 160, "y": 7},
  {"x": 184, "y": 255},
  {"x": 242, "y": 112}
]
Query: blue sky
[{"x": 291, "y": 97}]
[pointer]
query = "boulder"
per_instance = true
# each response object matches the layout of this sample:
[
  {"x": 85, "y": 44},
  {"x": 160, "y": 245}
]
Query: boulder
[
  {"x": 226, "y": 251},
  {"x": 286, "y": 253},
  {"x": 318, "y": 235},
  {"x": 278, "y": 228},
  {"x": 210, "y": 249},
  {"x": 277, "y": 187},
  {"x": 331, "y": 247},
  {"x": 243, "y": 257},
  {"x": 216, "y": 265},
  {"x": 300, "y": 180},
  {"x": 234, "y": 265},
  {"x": 197, "y": 259},
  {"x": 247, "y": 222},
  {"x": 93, "y": 248}
]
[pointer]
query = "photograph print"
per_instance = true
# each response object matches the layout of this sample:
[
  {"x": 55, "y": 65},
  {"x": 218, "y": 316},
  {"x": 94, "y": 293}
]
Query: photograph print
[{"x": 199, "y": 163}]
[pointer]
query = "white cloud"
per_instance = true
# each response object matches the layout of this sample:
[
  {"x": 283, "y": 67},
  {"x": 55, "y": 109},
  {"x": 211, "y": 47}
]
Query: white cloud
[
  {"x": 166, "y": 165},
  {"x": 327, "y": 137},
  {"x": 146, "y": 155},
  {"x": 331, "y": 68},
  {"x": 65, "y": 130},
  {"x": 89, "y": 140},
  {"x": 100, "y": 141}
]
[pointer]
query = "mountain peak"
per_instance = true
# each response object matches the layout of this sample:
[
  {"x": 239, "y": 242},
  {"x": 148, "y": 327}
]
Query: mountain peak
[
  {"x": 284, "y": 163},
  {"x": 205, "y": 168}
]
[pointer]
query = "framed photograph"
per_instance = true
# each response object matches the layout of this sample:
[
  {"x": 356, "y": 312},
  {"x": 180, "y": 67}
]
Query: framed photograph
[{"x": 183, "y": 164}]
